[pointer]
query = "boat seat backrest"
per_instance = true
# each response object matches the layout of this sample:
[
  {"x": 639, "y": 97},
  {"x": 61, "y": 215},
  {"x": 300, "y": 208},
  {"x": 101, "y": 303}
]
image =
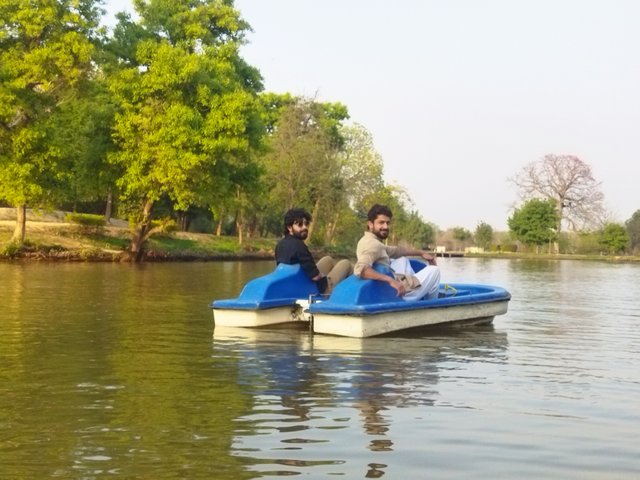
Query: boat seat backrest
[
  {"x": 355, "y": 291},
  {"x": 286, "y": 281}
]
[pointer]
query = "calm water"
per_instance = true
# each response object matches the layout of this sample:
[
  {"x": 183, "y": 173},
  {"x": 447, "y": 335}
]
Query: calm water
[{"x": 111, "y": 371}]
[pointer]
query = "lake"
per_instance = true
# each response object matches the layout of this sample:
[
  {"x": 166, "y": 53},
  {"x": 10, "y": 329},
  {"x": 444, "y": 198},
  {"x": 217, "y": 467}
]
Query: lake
[{"x": 112, "y": 371}]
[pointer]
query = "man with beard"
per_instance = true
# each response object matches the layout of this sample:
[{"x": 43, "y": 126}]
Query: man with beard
[
  {"x": 292, "y": 250},
  {"x": 410, "y": 285}
]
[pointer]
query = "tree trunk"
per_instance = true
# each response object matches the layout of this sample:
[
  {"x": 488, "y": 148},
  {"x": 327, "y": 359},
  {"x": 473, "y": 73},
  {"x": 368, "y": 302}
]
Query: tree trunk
[
  {"x": 21, "y": 225},
  {"x": 560, "y": 207},
  {"x": 331, "y": 230},
  {"x": 239, "y": 227},
  {"x": 314, "y": 215},
  {"x": 109, "y": 207},
  {"x": 141, "y": 234}
]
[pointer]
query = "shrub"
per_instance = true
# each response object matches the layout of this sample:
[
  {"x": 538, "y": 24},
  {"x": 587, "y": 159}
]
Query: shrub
[
  {"x": 11, "y": 250},
  {"x": 87, "y": 221}
]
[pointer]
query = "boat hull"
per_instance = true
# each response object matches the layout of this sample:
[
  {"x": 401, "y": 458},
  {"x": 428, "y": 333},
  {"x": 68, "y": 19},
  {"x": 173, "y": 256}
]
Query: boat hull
[
  {"x": 362, "y": 326},
  {"x": 259, "y": 318}
]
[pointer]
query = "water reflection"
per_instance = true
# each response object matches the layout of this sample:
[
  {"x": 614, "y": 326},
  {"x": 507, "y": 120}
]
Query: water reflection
[{"x": 313, "y": 393}]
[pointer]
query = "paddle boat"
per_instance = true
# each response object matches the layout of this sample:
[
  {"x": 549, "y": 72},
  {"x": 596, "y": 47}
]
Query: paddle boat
[{"x": 356, "y": 308}]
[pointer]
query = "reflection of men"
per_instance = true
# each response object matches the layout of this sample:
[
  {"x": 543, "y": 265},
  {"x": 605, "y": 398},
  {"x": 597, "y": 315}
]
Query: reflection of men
[
  {"x": 292, "y": 250},
  {"x": 410, "y": 285}
]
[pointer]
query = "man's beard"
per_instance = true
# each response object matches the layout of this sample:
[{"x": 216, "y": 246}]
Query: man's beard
[
  {"x": 302, "y": 234},
  {"x": 381, "y": 234}
]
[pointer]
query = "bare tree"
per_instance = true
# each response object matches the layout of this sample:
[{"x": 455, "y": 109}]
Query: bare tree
[{"x": 567, "y": 181}]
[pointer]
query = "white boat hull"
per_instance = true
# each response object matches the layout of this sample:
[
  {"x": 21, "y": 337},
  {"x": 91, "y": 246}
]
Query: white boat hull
[
  {"x": 361, "y": 326},
  {"x": 261, "y": 318}
]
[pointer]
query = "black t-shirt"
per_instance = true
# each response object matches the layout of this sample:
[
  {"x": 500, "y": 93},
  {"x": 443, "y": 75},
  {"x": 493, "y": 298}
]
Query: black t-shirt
[{"x": 293, "y": 251}]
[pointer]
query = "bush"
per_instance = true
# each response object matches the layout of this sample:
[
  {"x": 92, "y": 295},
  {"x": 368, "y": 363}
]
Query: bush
[
  {"x": 166, "y": 225},
  {"x": 11, "y": 250},
  {"x": 87, "y": 221}
]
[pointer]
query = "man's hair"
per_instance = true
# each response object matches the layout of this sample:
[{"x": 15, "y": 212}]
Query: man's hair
[
  {"x": 378, "y": 209},
  {"x": 294, "y": 215}
]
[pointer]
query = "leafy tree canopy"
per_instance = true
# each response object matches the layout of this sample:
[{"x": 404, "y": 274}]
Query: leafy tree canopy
[
  {"x": 483, "y": 235},
  {"x": 187, "y": 102},
  {"x": 46, "y": 51},
  {"x": 614, "y": 237},
  {"x": 534, "y": 223}
]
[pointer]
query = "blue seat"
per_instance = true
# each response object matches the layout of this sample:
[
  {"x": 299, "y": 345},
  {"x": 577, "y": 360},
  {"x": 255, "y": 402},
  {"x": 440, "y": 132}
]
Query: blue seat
[{"x": 282, "y": 287}]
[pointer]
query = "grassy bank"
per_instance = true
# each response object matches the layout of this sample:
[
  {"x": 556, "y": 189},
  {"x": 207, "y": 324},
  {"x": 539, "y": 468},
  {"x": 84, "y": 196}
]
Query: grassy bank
[{"x": 50, "y": 237}]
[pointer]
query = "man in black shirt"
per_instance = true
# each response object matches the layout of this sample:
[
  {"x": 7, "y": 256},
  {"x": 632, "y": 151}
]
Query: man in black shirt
[{"x": 292, "y": 250}]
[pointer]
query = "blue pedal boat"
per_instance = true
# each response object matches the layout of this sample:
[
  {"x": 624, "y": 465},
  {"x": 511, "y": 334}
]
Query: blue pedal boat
[{"x": 356, "y": 308}]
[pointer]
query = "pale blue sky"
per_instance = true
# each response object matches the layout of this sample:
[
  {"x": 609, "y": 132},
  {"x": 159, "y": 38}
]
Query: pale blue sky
[{"x": 460, "y": 94}]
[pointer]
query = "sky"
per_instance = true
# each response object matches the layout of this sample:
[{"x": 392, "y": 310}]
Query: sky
[{"x": 460, "y": 95}]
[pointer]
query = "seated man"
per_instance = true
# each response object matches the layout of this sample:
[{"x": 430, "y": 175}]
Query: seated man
[
  {"x": 410, "y": 285},
  {"x": 292, "y": 250}
]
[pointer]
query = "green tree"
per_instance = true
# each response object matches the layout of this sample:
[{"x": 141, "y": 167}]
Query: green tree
[
  {"x": 187, "y": 102},
  {"x": 461, "y": 235},
  {"x": 46, "y": 51},
  {"x": 360, "y": 173},
  {"x": 416, "y": 231},
  {"x": 302, "y": 166},
  {"x": 614, "y": 237},
  {"x": 483, "y": 235},
  {"x": 81, "y": 132},
  {"x": 535, "y": 222},
  {"x": 633, "y": 230}
]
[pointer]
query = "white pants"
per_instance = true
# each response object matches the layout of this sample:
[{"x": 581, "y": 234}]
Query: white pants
[{"x": 429, "y": 278}]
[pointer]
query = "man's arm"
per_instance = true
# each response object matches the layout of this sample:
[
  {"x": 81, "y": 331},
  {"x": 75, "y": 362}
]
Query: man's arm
[
  {"x": 368, "y": 273},
  {"x": 413, "y": 252}
]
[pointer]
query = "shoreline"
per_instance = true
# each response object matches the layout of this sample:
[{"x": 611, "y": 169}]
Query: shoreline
[{"x": 51, "y": 239}]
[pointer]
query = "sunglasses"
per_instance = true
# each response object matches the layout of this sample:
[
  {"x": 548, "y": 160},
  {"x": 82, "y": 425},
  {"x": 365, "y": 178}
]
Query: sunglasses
[{"x": 301, "y": 223}]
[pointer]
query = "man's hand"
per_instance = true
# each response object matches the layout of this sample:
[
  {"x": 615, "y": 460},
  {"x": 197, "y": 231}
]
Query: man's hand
[
  {"x": 398, "y": 286},
  {"x": 431, "y": 260}
]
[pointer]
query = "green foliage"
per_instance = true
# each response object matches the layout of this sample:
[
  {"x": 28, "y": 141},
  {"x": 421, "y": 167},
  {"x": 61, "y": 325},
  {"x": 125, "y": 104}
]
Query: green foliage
[
  {"x": 614, "y": 238},
  {"x": 11, "y": 250},
  {"x": 414, "y": 230},
  {"x": 535, "y": 222},
  {"x": 483, "y": 235},
  {"x": 188, "y": 115},
  {"x": 46, "y": 53},
  {"x": 165, "y": 225},
  {"x": 461, "y": 234},
  {"x": 86, "y": 219}
]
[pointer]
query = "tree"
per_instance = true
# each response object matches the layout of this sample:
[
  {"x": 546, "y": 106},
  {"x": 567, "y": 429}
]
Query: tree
[
  {"x": 633, "y": 230},
  {"x": 360, "y": 176},
  {"x": 614, "y": 237},
  {"x": 461, "y": 235},
  {"x": 302, "y": 167},
  {"x": 568, "y": 182},
  {"x": 81, "y": 133},
  {"x": 187, "y": 103},
  {"x": 416, "y": 231},
  {"x": 535, "y": 222},
  {"x": 483, "y": 235},
  {"x": 46, "y": 51}
]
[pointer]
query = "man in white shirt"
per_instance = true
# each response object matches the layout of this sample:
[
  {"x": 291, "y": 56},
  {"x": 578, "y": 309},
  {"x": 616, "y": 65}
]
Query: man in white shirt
[{"x": 410, "y": 285}]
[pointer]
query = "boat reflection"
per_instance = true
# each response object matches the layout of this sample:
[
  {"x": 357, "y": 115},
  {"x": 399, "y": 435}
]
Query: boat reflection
[{"x": 310, "y": 392}]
